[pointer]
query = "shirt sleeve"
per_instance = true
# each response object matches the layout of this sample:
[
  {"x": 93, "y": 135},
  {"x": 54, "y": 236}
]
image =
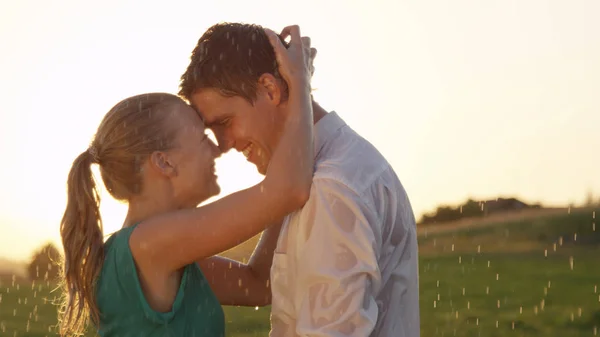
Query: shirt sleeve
[{"x": 337, "y": 264}]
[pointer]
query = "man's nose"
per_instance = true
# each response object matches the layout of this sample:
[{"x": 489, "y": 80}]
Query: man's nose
[
  {"x": 216, "y": 151},
  {"x": 225, "y": 143}
]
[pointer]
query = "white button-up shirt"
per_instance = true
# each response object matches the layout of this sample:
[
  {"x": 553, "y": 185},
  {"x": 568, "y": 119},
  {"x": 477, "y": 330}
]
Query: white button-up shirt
[{"x": 346, "y": 264}]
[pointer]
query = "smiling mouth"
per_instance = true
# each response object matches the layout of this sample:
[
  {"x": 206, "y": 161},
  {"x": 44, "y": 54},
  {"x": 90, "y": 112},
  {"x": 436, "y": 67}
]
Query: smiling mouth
[{"x": 247, "y": 151}]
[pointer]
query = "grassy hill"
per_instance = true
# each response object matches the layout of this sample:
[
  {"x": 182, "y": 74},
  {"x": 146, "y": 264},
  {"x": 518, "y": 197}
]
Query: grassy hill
[{"x": 528, "y": 276}]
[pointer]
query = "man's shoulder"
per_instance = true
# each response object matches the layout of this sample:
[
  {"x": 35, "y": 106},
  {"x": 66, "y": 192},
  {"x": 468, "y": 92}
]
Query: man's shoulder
[{"x": 351, "y": 160}]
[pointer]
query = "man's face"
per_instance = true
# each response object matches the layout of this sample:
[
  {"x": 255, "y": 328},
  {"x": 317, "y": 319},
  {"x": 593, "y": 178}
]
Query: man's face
[{"x": 253, "y": 130}]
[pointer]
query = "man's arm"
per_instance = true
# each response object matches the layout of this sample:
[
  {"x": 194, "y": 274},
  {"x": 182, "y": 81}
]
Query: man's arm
[
  {"x": 236, "y": 283},
  {"x": 337, "y": 265}
]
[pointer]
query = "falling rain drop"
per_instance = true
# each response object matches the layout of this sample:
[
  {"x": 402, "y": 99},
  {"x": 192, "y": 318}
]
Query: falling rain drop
[
  {"x": 545, "y": 252},
  {"x": 571, "y": 262},
  {"x": 478, "y": 248},
  {"x": 497, "y": 276},
  {"x": 520, "y": 310},
  {"x": 459, "y": 259},
  {"x": 256, "y": 308},
  {"x": 488, "y": 263}
]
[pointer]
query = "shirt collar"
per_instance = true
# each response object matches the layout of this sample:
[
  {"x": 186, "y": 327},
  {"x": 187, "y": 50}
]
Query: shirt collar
[{"x": 325, "y": 129}]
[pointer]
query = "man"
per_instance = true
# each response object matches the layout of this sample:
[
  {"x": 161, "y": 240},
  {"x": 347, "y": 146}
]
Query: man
[{"x": 346, "y": 264}]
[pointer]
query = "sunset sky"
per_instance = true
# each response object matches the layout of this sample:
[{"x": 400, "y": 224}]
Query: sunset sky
[{"x": 466, "y": 99}]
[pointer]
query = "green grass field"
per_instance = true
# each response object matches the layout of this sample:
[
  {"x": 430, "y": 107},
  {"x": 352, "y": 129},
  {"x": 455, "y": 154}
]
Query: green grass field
[{"x": 527, "y": 278}]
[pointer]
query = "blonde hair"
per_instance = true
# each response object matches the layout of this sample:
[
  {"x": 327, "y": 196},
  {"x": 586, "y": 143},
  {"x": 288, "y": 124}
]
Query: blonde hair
[{"x": 128, "y": 134}]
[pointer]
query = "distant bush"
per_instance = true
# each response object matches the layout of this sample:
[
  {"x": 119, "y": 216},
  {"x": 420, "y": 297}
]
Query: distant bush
[
  {"x": 472, "y": 208},
  {"x": 44, "y": 264}
]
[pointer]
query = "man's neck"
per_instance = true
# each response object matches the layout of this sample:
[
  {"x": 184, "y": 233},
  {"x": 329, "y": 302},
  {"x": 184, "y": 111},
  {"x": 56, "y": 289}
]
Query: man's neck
[{"x": 318, "y": 112}]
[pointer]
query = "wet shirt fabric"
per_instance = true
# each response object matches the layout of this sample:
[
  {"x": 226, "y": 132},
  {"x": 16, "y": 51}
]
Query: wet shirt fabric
[{"x": 125, "y": 312}]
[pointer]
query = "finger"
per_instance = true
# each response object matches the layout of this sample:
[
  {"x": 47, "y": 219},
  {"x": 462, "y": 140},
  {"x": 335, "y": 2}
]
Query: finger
[
  {"x": 313, "y": 54},
  {"x": 305, "y": 41},
  {"x": 276, "y": 44},
  {"x": 293, "y": 32}
]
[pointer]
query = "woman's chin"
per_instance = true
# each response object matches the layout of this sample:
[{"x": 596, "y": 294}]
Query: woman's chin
[{"x": 216, "y": 189}]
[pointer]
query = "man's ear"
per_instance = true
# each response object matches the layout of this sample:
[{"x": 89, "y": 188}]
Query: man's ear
[
  {"x": 162, "y": 163},
  {"x": 271, "y": 88}
]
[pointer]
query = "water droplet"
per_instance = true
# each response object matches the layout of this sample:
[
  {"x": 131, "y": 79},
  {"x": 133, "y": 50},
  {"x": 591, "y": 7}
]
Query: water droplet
[
  {"x": 520, "y": 310},
  {"x": 497, "y": 276},
  {"x": 434, "y": 304},
  {"x": 488, "y": 263},
  {"x": 478, "y": 248},
  {"x": 571, "y": 262},
  {"x": 452, "y": 247},
  {"x": 545, "y": 252},
  {"x": 487, "y": 290},
  {"x": 459, "y": 259},
  {"x": 256, "y": 308}
]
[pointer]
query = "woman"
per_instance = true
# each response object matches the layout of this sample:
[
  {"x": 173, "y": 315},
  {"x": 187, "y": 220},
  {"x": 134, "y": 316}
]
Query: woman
[{"x": 153, "y": 153}]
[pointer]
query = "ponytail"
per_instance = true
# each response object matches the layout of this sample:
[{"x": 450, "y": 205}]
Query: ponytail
[{"x": 83, "y": 244}]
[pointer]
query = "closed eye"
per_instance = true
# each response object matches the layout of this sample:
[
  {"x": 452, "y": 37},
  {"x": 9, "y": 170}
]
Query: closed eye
[{"x": 225, "y": 121}]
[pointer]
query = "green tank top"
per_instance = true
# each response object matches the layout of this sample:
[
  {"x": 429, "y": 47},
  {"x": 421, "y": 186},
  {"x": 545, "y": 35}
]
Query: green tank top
[{"x": 123, "y": 308}]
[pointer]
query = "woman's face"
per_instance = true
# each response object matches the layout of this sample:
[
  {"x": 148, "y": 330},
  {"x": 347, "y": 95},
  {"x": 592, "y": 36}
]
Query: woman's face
[{"x": 193, "y": 158}]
